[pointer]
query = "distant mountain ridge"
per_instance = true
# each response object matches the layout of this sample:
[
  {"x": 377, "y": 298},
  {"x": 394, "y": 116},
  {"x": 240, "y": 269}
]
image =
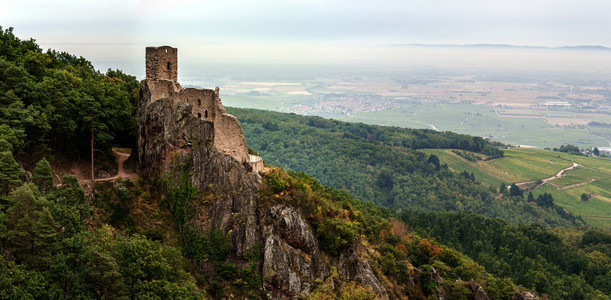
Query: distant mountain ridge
[{"x": 579, "y": 47}]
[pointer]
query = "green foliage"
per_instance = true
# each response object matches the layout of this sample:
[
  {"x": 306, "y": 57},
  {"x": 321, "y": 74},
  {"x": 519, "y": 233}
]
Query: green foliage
[
  {"x": 433, "y": 159},
  {"x": 17, "y": 282},
  {"x": 330, "y": 211},
  {"x": 49, "y": 253},
  {"x": 70, "y": 208},
  {"x": 148, "y": 269},
  {"x": 379, "y": 164},
  {"x": 42, "y": 175},
  {"x": 503, "y": 188},
  {"x": 10, "y": 173},
  {"x": 180, "y": 196},
  {"x": 584, "y": 197},
  {"x": 536, "y": 258},
  {"x": 213, "y": 245},
  {"x": 31, "y": 229},
  {"x": 545, "y": 200},
  {"x": 54, "y": 100},
  {"x": 571, "y": 149},
  {"x": 275, "y": 182},
  {"x": 515, "y": 191}
]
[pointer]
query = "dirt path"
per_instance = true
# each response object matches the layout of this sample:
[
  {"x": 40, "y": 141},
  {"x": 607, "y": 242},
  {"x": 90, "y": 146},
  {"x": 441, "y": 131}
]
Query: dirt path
[
  {"x": 121, "y": 173},
  {"x": 599, "y": 218},
  {"x": 121, "y": 157},
  {"x": 543, "y": 181},
  {"x": 572, "y": 185}
]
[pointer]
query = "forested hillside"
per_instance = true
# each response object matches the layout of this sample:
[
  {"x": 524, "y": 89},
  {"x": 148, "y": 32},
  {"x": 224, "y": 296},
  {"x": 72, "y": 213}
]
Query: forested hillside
[
  {"x": 123, "y": 239},
  {"x": 561, "y": 263},
  {"x": 536, "y": 258},
  {"x": 382, "y": 164},
  {"x": 138, "y": 238},
  {"x": 55, "y": 242}
]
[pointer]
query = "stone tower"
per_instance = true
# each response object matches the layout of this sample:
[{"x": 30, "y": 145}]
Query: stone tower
[
  {"x": 161, "y": 84},
  {"x": 162, "y": 63}
]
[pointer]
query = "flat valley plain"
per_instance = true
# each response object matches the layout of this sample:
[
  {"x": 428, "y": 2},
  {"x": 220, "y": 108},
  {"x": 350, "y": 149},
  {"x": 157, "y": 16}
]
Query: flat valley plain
[
  {"x": 514, "y": 98},
  {"x": 541, "y": 114}
]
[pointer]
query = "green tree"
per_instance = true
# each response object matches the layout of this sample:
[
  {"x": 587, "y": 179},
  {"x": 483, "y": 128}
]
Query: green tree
[
  {"x": 42, "y": 175},
  {"x": 70, "y": 208},
  {"x": 531, "y": 198},
  {"x": 515, "y": 191},
  {"x": 433, "y": 159},
  {"x": 10, "y": 173},
  {"x": 32, "y": 231},
  {"x": 152, "y": 270},
  {"x": 596, "y": 152},
  {"x": 6, "y": 133},
  {"x": 17, "y": 282},
  {"x": 5, "y": 146},
  {"x": 503, "y": 189},
  {"x": 585, "y": 197}
]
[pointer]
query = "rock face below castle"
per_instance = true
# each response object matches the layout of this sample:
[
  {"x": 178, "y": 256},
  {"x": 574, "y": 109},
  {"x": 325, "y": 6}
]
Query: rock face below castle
[{"x": 174, "y": 141}]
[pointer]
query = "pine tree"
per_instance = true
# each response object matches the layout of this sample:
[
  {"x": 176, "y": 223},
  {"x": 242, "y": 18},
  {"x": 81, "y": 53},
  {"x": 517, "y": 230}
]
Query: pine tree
[
  {"x": 531, "y": 198},
  {"x": 10, "y": 173},
  {"x": 515, "y": 191},
  {"x": 42, "y": 175},
  {"x": 433, "y": 159},
  {"x": 32, "y": 231},
  {"x": 70, "y": 208},
  {"x": 5, "y": 146}
]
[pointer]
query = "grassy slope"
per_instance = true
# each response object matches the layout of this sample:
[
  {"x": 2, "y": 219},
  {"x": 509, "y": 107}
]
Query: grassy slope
[{"x": 521, "y": 164}]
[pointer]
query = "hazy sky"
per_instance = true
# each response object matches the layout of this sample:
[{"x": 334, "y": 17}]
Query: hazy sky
[{"x": 116, "y": 31}]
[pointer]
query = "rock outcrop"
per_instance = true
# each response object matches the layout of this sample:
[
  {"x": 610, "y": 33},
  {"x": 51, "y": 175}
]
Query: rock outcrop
[
  {"x": 175, "y": 141},
  {"x": 525, "y": 295},
  {"x": 477, "y": 292},
  {"x": 171, "y": 137},
  {"x": 352, "y": 267},
  {"x": 291, "y": 257}
]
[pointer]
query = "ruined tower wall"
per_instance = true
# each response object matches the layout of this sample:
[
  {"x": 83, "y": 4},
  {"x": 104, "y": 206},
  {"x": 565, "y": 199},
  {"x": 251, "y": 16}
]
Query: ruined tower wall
[
  {"x": 202, "y": 101},
  {"x": 162, "y": 63},
  {"x": 229, "y": 137},
  {"x": 161, "y": 83},
  {"x": 159, "y": 89}
]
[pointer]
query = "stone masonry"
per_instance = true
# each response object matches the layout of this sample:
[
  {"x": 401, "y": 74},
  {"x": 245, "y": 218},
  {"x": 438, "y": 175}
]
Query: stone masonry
[{"x": 162, "y": 82}]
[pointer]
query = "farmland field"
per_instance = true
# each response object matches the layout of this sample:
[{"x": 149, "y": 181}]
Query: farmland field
[{"x": 520, "y": 164}]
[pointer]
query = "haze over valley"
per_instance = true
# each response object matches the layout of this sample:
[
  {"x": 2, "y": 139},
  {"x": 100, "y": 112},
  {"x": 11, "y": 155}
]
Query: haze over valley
[{"x": 305, "y": 149}]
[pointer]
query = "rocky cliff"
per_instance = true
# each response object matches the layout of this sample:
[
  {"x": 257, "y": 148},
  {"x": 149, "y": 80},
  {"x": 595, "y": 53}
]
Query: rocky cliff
[{"x": 173, "y": 142}]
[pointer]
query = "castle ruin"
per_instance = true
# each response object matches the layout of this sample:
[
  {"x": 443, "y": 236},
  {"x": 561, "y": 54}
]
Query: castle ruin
[{"x": 162, "y": 83}]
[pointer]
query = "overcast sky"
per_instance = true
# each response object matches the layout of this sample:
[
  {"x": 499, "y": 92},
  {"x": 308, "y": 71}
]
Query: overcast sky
[{"x": 111, "y": 30}]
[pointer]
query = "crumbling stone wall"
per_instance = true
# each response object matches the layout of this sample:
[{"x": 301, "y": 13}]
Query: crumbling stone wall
[
  {"x": 161, "y": 83},
  {"x": 203, "y": 102}
]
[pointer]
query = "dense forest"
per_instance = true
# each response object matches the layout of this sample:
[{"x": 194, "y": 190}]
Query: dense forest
[
  {"x": 536, "y": 258},
  {"x": 55, "y": 102},
  {"x": 54, "y": 241},
  {"x": 382, "y": 164},
  {"x": 121, "y": 239}
]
